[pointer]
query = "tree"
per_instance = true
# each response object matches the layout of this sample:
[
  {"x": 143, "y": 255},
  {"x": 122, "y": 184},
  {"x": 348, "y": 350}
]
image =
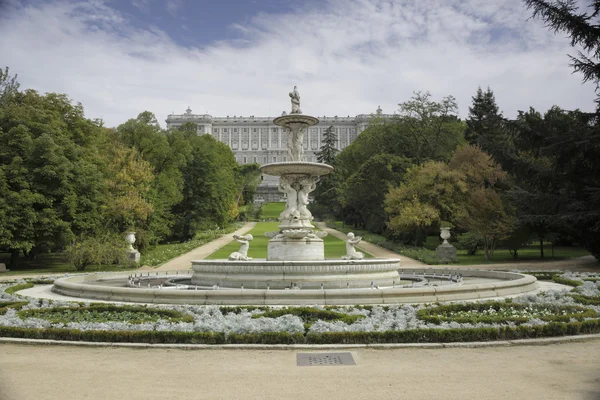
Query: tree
[
  {"x": 9, "y": 86},
  {"x": 582, "y": 27},
  {"x": 557, "y": 175},
  {"x": 247, "y": 177},
  {"x": 488, "y": 216},
  {"x": 167, "y": 152},
  {"x": 433, "y": 128},
  {"x": 430, "y": 193},
  {"x": 328, "y": 151},
  {"x": 365, "y": 191},
  {"x": 210, "y": 189},
  {"x": 52, "y": 186},
  {"x": 485, "y": 124}
]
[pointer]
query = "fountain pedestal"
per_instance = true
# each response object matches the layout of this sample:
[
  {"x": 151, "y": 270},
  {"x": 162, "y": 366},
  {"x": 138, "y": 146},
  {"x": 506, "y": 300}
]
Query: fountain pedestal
[{"x": 296, "y": 239}]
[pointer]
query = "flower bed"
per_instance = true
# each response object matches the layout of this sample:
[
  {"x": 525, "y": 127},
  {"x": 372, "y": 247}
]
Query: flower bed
[{"x": 553, "y": 313}]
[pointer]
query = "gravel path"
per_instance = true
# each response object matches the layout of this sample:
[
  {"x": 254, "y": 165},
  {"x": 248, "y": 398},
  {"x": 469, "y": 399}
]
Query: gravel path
[{"x": 560, "y": 371}]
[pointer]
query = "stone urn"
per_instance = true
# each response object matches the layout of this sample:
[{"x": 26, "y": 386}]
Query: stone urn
[
  {"x": 130, "y": 239},
  {"x": 445, "y": 234},
  {"x": 132, "y": 254},
  {"x": 445, "y": 251}
]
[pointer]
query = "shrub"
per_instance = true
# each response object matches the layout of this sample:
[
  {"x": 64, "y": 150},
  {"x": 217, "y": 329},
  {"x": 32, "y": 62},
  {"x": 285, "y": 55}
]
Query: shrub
[
  {"x": 97, "y": 250},
  {"x": 470, "y": 241}
]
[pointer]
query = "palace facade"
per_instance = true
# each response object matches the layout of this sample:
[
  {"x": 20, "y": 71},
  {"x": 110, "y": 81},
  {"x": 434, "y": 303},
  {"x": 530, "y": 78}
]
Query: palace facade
[{"x": 258, "y": 140}]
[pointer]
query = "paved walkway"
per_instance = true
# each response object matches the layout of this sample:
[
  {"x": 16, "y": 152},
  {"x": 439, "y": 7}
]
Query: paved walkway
[
  {"x": 555, "y": 372},
  {"x": 183, "y": 262}
]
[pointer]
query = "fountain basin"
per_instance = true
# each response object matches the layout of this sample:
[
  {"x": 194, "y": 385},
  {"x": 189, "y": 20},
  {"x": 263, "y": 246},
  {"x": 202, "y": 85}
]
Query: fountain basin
[
  {"x": 477, "y": 285},
  {"x": 296, "y": 168},
  {"x": 314, "y": 274}
]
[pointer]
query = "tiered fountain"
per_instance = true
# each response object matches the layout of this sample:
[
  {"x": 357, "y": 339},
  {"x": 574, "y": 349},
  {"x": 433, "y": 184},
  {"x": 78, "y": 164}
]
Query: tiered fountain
[
  {"x": 295, "y": 254},
  {"x": 296, "y": 271}
]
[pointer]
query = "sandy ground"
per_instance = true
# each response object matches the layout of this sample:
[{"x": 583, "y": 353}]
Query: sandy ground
[{"x": 562, "y": 371}]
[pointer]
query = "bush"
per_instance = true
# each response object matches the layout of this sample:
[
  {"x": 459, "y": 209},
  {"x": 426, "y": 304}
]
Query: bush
[
  {"x": 470, "y": 241},
  {"x": 104, "y": 249}
]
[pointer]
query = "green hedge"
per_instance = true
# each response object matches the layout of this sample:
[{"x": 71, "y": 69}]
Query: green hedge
[
  {"x": 16, "y": 288},
  {"x": 105, "y": 312},
  {"x": 5, "y": 305},
  {"x": 568, "y": 282},
  {"x": 586, "y": 300},
  {"x": 551, "y": 329},
  {"x": 438, "y": 314}
]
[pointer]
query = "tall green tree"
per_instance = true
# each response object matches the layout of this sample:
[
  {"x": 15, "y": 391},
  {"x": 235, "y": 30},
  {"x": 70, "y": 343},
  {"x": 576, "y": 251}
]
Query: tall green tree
[
  {"x": 52, "y": 186},
  {"x": 328, "y": 150},
  {"x": 485, "y": 124},
  {"x": 210, "y": 190}
]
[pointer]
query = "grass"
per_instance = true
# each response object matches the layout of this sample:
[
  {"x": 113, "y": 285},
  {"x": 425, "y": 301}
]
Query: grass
[
  {"x": 271, "y": 210},
  {"x": 526, "y": 254},
  {"x": 334, "y": 247},
  {"x": 427, "y": 254}
]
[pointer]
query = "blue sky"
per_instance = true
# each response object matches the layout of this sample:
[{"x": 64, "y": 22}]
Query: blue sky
[
  {"x": 121, "y": 57},
  {"x": 201, "y": 22}
]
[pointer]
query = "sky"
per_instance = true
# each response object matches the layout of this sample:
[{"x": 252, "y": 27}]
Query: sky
[{"x": 242, "y": 57}]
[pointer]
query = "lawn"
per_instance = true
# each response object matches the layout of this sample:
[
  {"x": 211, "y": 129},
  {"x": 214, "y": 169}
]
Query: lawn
[
  {"x": 334, "y": 247},
  {"x": 427, "y": 254},
  {"x": 271, "y": 210}
]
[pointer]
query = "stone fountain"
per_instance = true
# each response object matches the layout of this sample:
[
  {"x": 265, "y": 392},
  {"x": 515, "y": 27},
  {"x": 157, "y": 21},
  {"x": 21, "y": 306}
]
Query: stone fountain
[{"x": 295, "y": 253}]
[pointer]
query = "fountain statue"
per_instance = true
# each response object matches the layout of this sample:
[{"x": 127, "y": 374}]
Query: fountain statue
[
  {"x": 242, "y": 253},
  {"x": 351, "y": 253}
]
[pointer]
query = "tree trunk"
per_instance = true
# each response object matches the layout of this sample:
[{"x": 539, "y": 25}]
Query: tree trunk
[
  {"x": 14, "y": 257},
  {"x": 541, "y": 247}
]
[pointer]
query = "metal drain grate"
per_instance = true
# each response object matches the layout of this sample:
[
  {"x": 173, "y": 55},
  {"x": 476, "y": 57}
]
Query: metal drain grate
[{"x": 320, "y": 359}]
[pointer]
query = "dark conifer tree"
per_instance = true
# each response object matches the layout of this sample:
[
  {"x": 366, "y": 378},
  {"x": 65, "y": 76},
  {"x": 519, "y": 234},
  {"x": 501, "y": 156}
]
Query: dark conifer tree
[{"x": 328, "y": 151}]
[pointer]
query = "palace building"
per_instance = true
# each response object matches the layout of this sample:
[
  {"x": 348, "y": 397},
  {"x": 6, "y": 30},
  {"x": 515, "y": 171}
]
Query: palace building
[{"x": 258, "y": 140}]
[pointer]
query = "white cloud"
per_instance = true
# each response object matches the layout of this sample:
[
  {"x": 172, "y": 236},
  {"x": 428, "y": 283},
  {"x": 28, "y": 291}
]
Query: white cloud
[{"x": 347, "y": 57}]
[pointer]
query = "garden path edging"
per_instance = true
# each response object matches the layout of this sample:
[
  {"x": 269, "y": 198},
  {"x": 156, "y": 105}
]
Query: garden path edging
[{"x": 382, "y": 346}]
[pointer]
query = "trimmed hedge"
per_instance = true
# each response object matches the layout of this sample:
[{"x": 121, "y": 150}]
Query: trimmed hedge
[
  {"x": 4, "y": 306},
  {"x": 568, "y": 282},
  {"x": 586, "y": 300},
  {"x": 551, "y": 329},
  {"x": 102, "y": 312},
  {"x": 438, "y": 314},
  {"x": 16, "y": 288}
]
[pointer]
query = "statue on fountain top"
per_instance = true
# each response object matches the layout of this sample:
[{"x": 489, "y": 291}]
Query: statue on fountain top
[{"x": 295, "y": 97}]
